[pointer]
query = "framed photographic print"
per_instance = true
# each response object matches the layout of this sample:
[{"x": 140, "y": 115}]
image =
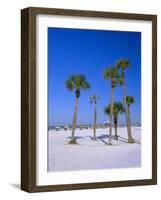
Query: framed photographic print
[{"x": 88, "y": 99}]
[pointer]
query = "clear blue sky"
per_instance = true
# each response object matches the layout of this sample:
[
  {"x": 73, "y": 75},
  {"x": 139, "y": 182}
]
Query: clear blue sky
[{"x": 73, "y": 51}]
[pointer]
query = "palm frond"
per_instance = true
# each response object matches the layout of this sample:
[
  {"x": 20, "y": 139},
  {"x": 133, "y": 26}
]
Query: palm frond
[
  {"x": 77, "y": 81},
  {"x": 107, "y": 110},
  {"x": 107, "y": 74},
  {"x": 130, "y": 100},
  {"x": 85, "y": 85},
  {"x": 94, "y": 98},
  {"x": 112, "y": 74},
  {"x": 119, "y": 81},
  {"x": 117, "y": 108},
  {"x": 122, "y": 63},
  {"x": 69, "y": 84}
]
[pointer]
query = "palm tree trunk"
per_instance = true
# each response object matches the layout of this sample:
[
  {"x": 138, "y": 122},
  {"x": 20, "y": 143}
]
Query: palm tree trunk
[
  {"x": 130, "y": 139},
  {"x": 129, "y": 117},
  {"x": 115, "y": 126},
  {"x": 111, "y": 114},
  {"x": 95, "y": 120},
  {"x": 75, "y": 118}
]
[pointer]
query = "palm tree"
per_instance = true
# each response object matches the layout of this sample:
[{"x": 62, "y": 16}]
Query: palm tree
[
  {"x": 76, "y": 83},
  {"x": 112, "y": 75},
  {"x": 118, "y": 108},
  {"x": 129, "y": 100},
  {"x": 124, "y": 64},
  {"x": 93, "y": 99}
]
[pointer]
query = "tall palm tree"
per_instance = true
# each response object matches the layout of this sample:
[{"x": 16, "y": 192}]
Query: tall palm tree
[
  {"x": 112, "y": 75},
  {"x": 129, "y": 100},
  {"x": 123, "y": 64},
  {"x": 93, "y": 99},
  {"x": 76, "y": 83},
  {"x": 118, "y": 108}
]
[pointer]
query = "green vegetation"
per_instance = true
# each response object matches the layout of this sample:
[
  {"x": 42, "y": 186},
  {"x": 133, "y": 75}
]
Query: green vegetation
[{"x": 76, "y": 83}]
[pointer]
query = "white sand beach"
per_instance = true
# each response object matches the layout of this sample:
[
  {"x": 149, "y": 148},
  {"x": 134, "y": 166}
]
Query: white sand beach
[{"x": 90, "y": 154}]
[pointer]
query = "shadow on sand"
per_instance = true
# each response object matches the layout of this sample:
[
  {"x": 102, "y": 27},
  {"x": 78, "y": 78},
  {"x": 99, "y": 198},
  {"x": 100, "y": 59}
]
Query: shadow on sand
[
  {"x": 103, "y": 138},
  {"x": 76, "y": 137}
]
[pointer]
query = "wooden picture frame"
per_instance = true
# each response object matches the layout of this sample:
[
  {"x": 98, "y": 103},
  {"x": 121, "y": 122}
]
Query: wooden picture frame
[{"x": 28, "y": 98}]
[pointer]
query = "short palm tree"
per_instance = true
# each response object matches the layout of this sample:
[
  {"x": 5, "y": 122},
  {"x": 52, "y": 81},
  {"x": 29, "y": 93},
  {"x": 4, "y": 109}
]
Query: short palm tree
[
  {"x": 93, "y": 99},
  {"x": 129, "y": 100},
  {"x": 123, "y": 64},
  {"x": 118, "y": 108},
  {"x": 76, "y": 83},
  {"x": 112, "y": 75}
]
